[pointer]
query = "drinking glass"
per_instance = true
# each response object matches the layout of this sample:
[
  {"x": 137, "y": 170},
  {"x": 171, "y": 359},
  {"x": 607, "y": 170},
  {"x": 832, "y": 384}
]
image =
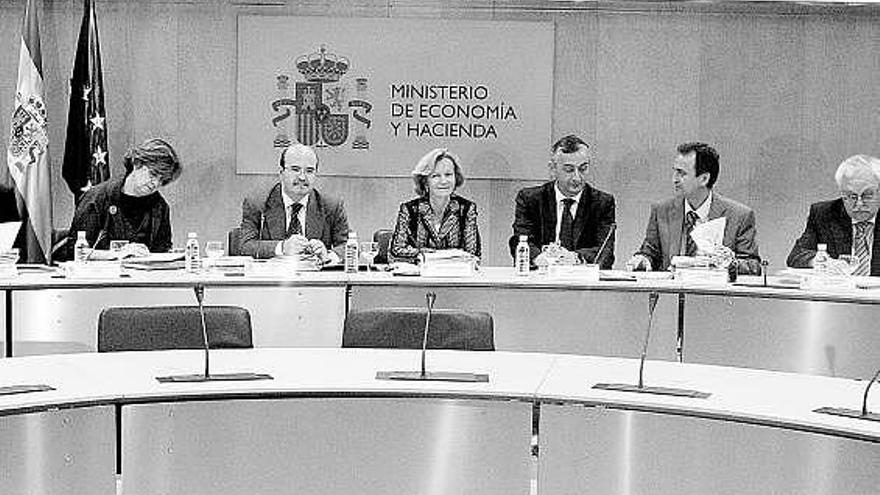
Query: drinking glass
[
  {"x": 369, "y": 250},
  {"x": 213, "y": 250}
]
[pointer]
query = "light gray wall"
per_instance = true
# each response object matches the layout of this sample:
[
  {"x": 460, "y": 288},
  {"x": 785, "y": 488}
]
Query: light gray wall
[{"x": 784, "y": 92}]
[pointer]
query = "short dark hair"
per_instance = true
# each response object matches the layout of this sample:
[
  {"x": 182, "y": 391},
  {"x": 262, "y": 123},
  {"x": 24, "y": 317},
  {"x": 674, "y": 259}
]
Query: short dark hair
[
  {"x": 157, "y": 155},
  {"x": 706, "y": 160},
  {"x": 569, "y": 144}
]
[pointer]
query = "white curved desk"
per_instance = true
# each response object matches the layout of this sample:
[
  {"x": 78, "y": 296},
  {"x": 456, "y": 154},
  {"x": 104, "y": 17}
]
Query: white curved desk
[
  {"x": 325, "y": 425},
  {"x": 823, "y": 333}
]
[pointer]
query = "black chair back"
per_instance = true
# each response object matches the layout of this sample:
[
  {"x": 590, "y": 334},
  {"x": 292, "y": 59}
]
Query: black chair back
[
  {"x": 402, "y": 328},
  {"x": 148, "y": 328},
  {"x": 383, "y": 238}
]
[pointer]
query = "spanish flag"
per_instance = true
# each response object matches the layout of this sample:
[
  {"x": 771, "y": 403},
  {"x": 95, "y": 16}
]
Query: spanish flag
[{"x": 27, "y": 157}]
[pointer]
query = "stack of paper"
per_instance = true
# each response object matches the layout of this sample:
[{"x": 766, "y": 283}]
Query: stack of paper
[{"x": 448, "y": 263}]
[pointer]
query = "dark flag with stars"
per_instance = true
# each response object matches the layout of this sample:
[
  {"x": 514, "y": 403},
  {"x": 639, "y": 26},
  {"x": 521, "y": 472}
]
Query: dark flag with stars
[{"x": 85, "y": 151}]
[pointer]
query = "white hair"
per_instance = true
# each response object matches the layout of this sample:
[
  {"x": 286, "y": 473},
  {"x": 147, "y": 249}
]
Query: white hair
[{"x": 858, "y": 166}]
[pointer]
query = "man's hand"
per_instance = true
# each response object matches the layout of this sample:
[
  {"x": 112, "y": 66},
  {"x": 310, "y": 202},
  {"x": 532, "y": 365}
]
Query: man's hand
[
  {"x": 295, "y": 244},
  {"x": 639, "y": 262},
  {"x": 134, "y": 250}
]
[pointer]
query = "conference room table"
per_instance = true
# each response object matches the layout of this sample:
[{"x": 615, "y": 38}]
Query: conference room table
[
  {"x": 777, "y": 327},
  {"x": 324, "y": 424}
]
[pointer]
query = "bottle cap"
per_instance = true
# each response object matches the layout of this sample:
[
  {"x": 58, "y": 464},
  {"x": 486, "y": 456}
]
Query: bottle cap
[
  {"x": 352, "y": 235},
  {"x": 523, "y": 238},
  {"x": 191, "y": 234},
  {"x": 822, "y": 247},
  {"x": 80, "y": 233}
]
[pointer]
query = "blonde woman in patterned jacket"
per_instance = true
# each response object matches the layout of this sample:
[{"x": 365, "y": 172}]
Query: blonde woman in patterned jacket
[{"x": 438, "y": 218}]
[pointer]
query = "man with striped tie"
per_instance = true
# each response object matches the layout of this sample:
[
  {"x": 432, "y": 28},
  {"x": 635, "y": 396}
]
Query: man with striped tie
[
  {"x": 294, "y": 218},
  {"x": 694, "y": 172},
  {"x": 848, "y": 224}
]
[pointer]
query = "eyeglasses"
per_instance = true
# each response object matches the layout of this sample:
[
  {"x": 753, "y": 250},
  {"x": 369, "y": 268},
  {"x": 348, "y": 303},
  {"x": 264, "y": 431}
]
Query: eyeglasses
[
  {"x": 866, "y": 196},
  {"x": 296, "y": 170}
]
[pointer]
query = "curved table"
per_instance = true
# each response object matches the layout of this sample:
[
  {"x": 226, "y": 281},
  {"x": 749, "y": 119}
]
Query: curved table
[
  {"x": 324, "y": 424},
  {"x": 784, "y": 329}
]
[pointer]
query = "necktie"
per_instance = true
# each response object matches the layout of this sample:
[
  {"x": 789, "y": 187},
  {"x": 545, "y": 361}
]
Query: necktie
[
  {"x": 294, "y": 227},
  {"x": 860, "y": 249},
  {"x": 566, "y": 229},
  {"x": 690, "y": 220}
]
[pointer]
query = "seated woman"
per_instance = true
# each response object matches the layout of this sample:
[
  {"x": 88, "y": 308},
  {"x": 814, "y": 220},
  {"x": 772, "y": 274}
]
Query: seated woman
[
  {"x": 130, "y": 208},
  {"x": 438, "y": 218}
]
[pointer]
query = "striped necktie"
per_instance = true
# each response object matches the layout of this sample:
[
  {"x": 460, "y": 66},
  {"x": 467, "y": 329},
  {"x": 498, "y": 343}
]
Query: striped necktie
[
  {"x": 860, "y": 249},
  {"x": 689, "y": 221},
  {"x": 294, "y": 227}
]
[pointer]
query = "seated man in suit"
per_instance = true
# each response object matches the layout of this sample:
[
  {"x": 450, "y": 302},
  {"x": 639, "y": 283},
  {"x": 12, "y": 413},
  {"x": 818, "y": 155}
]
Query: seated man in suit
[
  {"x": 847, "y": 225},
  {"x": 694, "y": 173},
  {"x": 566, "y": 210},
  {"x": 294, "y": 217}
]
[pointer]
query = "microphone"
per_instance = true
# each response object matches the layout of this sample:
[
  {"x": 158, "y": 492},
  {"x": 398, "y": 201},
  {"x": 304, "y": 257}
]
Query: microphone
[
  {"x": 101, "y": 234},
  {"x": 423, "y": 374},
  {"x": 605, "y": 242},
  {"x": 640, "y": 387},
  {"x": 863, "y": 414},
  {"x": 206, "y": 376}
]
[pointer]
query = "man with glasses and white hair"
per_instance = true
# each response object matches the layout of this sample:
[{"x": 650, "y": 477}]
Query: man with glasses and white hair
[
  {"x": 848, "y": 224},
  {"x": 294, "y": 218}
]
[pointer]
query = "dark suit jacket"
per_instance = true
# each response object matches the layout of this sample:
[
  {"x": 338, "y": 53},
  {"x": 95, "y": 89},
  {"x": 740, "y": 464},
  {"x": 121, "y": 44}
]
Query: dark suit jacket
[
  {"x": 264, "y": 222},
  {"x": 101, "y": 210},
  {"x": 830, "y": 224},
  {"x": 536, "y": 218},
  {"x": 663, "y": 235}
]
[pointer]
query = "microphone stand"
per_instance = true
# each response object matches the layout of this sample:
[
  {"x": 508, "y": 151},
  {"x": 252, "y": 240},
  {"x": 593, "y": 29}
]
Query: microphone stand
[
  {"x": 611, "y": 230},
  {"x": 640, "y": 387},
  {"x": 207, "y": 376},
  {"x": 864, "y": 414},
  {"x": 423, "y": 374}
]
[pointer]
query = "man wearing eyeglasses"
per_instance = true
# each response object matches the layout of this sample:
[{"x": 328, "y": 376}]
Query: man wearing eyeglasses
[
  {"x": 847, "y": 225},
  {"x": 294, "y": 218},
  {"x": 566, "y": 212}
]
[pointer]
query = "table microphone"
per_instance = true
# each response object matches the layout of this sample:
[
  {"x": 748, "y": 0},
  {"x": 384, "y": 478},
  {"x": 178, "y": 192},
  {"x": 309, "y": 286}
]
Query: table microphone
[
  {"x": 852, "y": 413},
  {"x": 611, "y": 230},
  {"x": 423, "y": 374},
  {"x": 653, "y": 297},
  {"x": 199, "y": 290}
]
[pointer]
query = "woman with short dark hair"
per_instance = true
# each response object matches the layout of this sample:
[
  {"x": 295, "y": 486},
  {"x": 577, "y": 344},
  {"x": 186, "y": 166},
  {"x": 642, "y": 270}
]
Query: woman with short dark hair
[
  {"x": 130, "y": 208},
  {"x": 438, "y": 218}
]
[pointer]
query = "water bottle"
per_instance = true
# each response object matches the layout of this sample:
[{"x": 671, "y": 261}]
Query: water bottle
[
  {"x": 81, "y": 248},
  {"x": 820, "y": 262},
  {"x": 522, "y": 256},
  {"x": 192, "y": 258},
  {"x": 351, "y": 253}
]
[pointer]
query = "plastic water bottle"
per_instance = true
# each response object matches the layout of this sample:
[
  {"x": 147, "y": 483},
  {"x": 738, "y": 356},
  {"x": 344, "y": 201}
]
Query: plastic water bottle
[
  {"x": 81, "y": 248},
  {"x": 192, "y": 258},
  {"x": 522, "y": 256},
  {"x": 351, "y": 253},
  {"x": 820, "y": 262}
]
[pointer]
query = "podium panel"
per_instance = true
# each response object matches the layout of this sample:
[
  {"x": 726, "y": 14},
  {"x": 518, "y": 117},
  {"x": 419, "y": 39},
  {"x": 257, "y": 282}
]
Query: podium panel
[
  {"x": 327, "y": 446},
  {"x": 60, "y": 451},
  {"x": 590, "y": 322},
  {"x": 812, "y": 337},
  {"x": 598, "y": 450},
  {"x": 66, "y": 320}
]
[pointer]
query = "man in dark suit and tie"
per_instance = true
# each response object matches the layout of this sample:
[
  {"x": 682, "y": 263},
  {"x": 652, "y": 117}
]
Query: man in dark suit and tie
[
  {"x": 847, "y": 225},
  {"x": 566, "y": 210},
  {"x": 694, "y": 173},
  {"x": 294, "y": 217}
]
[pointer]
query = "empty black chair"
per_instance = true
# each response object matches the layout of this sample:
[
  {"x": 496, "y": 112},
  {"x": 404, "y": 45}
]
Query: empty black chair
[
  {"x": 402, "y": 328},
  {"x": 149, "y": 328},
  {"x": 233, "y": 242}
]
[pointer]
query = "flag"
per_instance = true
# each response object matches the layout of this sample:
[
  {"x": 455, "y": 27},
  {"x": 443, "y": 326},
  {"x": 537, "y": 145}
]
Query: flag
[
  {"x": 27, "y": 156},
  {"x": 86, "y": 156}
]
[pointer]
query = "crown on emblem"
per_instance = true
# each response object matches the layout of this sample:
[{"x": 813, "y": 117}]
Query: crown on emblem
[{"x": 321, "y": 66}]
